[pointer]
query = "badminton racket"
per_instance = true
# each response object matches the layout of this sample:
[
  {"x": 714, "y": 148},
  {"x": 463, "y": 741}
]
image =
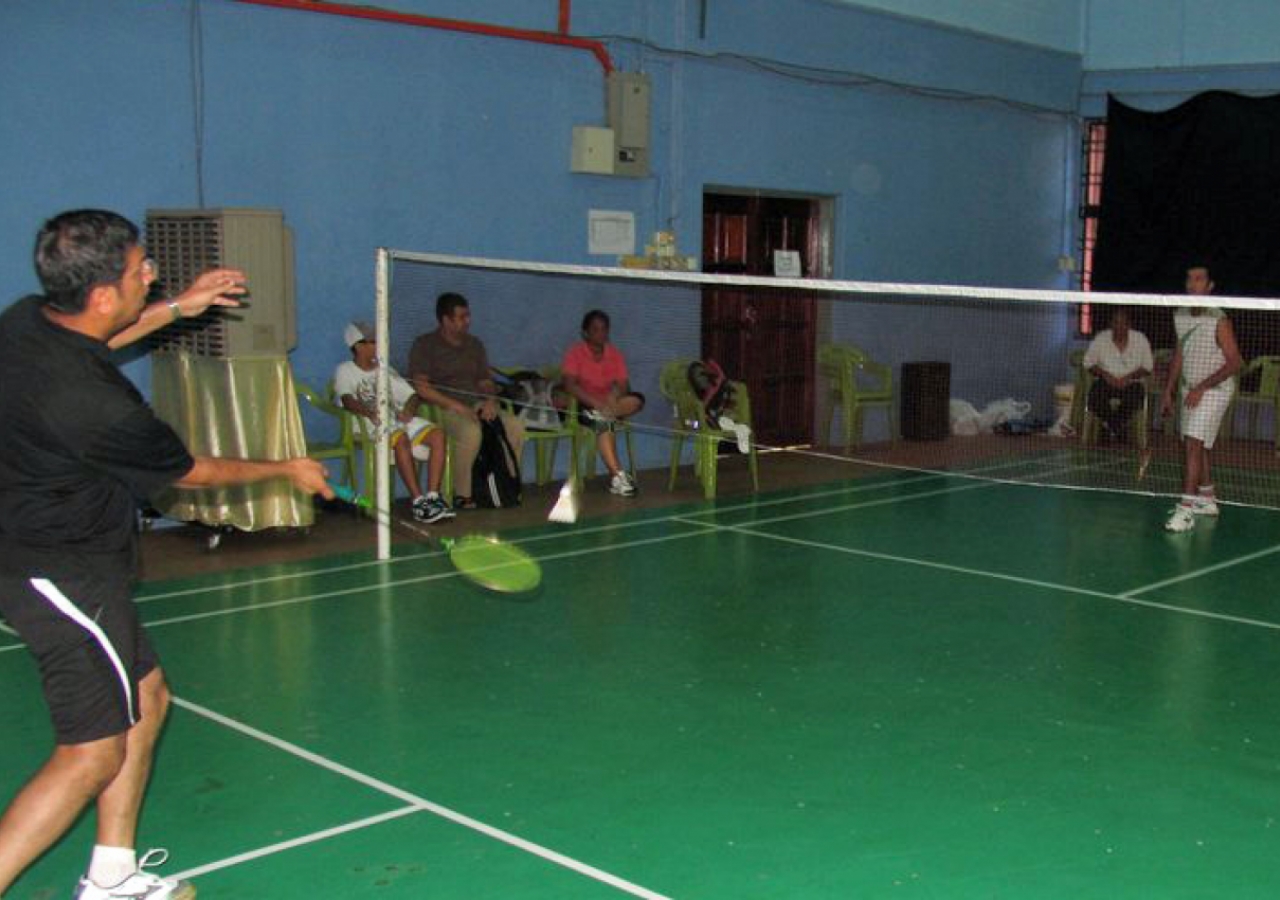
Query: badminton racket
[{"x": 482, "y": 559}]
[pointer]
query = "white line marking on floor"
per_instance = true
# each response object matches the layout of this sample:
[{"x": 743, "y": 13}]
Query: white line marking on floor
[
  {"x": 548, "y": 536},
  {"x": 612, "y": 526},
  {"x": 1225, "y": 564},
  {"x": 422, "y": 803},
  {"x": 314, "y": 837},
  {"x": 999, "y": 576},
  {"x": 568, "y": 554}
]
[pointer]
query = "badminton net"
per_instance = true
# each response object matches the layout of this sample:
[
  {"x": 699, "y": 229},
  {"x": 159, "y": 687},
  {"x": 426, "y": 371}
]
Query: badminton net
[{"x": 847, "y": 379}]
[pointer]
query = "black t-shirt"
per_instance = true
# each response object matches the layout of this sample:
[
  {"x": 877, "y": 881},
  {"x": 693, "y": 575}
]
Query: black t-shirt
[{"x": 79, "y": 448}]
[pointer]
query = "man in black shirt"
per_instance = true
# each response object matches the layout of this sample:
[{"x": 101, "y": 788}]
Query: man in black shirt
[{"x": 81, "y": 450}]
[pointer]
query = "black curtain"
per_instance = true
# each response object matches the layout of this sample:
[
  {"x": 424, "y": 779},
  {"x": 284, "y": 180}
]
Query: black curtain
[{"x": 1199, "y": 182}]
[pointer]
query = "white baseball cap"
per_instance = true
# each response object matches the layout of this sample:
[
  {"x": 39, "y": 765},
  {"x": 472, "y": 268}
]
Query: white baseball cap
[{"x": 356, "y": 332}]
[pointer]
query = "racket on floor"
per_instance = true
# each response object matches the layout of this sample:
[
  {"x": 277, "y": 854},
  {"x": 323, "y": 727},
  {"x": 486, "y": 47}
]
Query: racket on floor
[{"x": 482, "y": 559}]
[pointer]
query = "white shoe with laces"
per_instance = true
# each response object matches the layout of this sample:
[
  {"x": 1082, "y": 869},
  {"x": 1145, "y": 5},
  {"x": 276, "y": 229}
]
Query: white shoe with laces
[
  {"x": 140, "y": 885},
  {"x": 1205, "y": 506},
  {"x": 622, "y": 485},
  {"x": 1182, "y": 519}
]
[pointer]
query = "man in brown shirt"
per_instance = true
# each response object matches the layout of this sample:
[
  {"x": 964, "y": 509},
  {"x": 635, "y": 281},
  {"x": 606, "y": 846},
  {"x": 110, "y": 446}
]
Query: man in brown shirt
[{"x": 449, "y": 368}]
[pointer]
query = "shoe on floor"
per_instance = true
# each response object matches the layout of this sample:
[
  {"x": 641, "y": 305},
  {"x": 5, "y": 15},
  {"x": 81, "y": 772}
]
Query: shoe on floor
[
  {"x": 1205, "y": 506},
  {"x": 1183, "y": 518},
  {"x": 432, "y": 509},
  {"x": 623, "y": 485},
  {"x": 140, "y": 885}
]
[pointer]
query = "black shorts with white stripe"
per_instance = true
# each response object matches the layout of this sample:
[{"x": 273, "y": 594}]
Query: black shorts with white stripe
[{"x": 89, "y": 646}]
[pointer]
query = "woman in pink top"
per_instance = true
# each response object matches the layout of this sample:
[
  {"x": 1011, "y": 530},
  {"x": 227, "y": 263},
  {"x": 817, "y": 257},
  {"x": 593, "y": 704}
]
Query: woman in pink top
[{"x": 596, "y": 375}]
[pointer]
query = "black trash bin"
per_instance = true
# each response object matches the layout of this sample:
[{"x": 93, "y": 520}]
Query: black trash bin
[{"x": 926, "y": 398}]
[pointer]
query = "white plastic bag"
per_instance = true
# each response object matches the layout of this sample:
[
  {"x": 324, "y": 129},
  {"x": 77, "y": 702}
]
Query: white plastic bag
[
  {"x": 1000, "y": 411},
  {"x": 965, "y": 418}
]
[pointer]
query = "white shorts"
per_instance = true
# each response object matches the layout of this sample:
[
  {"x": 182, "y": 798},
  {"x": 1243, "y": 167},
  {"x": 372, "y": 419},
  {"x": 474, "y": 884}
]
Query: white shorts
[
  {"x": 416, "y": 428},
  {"x": 1203, "y": 422}
]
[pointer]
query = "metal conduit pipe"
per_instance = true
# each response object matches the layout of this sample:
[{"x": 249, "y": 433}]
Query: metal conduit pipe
[{"x": 596, "y": 48}]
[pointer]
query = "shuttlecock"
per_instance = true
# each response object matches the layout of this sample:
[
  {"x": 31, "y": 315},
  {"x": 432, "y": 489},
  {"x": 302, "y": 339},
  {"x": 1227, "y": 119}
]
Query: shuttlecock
[{"x": 565, "y": 510}]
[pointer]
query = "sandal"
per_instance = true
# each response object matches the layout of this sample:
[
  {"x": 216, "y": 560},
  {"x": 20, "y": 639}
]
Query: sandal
[{"x": 460, "y": 502}]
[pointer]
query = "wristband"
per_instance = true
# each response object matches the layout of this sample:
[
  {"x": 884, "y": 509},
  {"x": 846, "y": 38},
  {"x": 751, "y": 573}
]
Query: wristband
[{"x": 175, "y": 309}]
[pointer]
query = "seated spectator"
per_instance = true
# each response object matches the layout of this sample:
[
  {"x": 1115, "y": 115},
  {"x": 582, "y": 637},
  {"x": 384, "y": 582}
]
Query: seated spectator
[
  {"x": 355, "y": 383},
  {"x": 595, "y": 373},
  {"x": 450, "y": 369},
  {"x": 1119, "y": 358}
]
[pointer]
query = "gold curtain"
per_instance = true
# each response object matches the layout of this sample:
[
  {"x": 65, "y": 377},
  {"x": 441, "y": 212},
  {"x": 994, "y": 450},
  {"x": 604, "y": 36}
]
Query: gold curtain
[{"x": 239, "y": 409}]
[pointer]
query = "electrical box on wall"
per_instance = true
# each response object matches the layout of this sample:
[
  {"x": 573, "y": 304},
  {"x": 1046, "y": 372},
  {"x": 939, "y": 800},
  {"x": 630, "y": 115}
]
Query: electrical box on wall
[
  {"x": 627, "y": 110},
  {"x": 592, "y": 150}
]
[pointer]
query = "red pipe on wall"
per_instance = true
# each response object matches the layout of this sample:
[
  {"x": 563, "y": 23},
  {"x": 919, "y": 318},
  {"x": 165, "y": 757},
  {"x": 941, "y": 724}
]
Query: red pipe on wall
[{"x": 383, "y": 15}]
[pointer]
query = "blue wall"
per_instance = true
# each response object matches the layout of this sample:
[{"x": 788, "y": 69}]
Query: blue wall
[
  {"x": 1180, "y": 34},
  {"x": 369, "y": 134},
  {"x": 1045, "y": 23}
]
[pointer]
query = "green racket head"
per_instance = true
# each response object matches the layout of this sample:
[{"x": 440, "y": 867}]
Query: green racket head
[{"x": 495, "y": 565}]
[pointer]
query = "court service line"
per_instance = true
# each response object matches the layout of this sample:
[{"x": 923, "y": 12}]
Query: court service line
[
  {"x": 1217, "y": 567},
  {"x": 612, "y": 526},
  {"x": 554, "y": 535},
  {"x": 293, "y": 843},
  {"x": 419, "y": 803},
  {"x": 1000, "y": 576},
  {"x": 438, "y": 576},
  {"x": 567, "y": 554}
]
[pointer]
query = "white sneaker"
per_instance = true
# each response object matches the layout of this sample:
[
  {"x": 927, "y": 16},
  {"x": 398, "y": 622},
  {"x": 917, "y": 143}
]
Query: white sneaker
[
  {"x": 1182, "y": 519},
  {"x": 140, "y": 885},
  {"x": 1205, "y": 506},
  {"x": 622, "y": 485}
]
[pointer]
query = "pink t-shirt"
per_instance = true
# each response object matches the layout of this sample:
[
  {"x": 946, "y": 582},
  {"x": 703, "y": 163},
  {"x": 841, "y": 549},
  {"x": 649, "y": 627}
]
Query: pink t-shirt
[{"x": 596, "y": 375}]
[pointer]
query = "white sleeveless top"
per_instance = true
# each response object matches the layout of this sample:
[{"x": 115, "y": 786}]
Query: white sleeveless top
[{"x": 1198, "y": 338}]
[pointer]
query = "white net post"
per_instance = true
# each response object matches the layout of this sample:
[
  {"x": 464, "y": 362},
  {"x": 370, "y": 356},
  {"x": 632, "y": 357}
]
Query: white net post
[{"x": 382, "y": 337}]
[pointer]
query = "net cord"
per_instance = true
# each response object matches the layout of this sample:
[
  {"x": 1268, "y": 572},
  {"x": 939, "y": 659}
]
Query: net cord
[{"x": 832, "y": 286}]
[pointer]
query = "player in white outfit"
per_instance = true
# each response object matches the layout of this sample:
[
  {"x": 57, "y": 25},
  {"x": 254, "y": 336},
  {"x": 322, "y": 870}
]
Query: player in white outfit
[{"x": 1203, "y": 369}]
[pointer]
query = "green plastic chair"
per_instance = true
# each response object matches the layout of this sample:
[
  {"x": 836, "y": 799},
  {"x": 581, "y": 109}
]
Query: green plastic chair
[
  {"x": 690, "y": 423},
  {"x": 1265, "y": 394},
  {"x": 341, "y": 449},
  {"x": 546, "y": 441},
  {"x": 857, "y": 383},
  {"x": 584, "y": 438},
  {"x": 1075, "y": 359},
  {"x": 362, "y": 438},
  {"x": 1091, "y": 424}
]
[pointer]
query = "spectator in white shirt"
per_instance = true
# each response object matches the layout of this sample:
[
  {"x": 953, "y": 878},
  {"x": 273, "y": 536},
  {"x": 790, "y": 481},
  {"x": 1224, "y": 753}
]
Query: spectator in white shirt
[{"x": 1119, "y": 359}]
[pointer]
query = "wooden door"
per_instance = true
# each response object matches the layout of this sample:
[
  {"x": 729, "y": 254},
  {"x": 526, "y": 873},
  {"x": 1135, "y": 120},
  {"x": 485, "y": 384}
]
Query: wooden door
[{"x": 763, "y": 337}]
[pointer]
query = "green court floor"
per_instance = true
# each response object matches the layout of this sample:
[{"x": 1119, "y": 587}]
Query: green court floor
[{"x": 909, "y": 687}]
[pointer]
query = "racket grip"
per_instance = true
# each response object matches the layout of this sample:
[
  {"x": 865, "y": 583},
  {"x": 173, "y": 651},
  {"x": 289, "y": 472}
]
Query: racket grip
[{"x": 348, "y": 495}]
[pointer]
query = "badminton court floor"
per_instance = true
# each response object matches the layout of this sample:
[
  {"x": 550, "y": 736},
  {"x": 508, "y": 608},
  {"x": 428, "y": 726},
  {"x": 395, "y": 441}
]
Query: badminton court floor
[{"x": 911, "y": 686}]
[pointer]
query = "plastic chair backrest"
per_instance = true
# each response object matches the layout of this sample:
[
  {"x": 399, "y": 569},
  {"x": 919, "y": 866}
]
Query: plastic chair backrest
[
  {"x": 673, "y": 383},
  {"x": 1268, "y": 376},
  {"x": 333, "y": 449},
  {"x": 846, "y": 363}
]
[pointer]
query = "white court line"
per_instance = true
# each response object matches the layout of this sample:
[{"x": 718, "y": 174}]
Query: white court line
[
  {"x": 420, "y": 579},
  {"x": 999, "y": 576},
  {"x": 314, "y": 837},
  {"x": 1226, "y": 564},
  {"x": 438, "y": 576},
  {"x": 612, "y": 526},
  {"x": 415, "y": 803},
  {"x": 553, "y": 535}
]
